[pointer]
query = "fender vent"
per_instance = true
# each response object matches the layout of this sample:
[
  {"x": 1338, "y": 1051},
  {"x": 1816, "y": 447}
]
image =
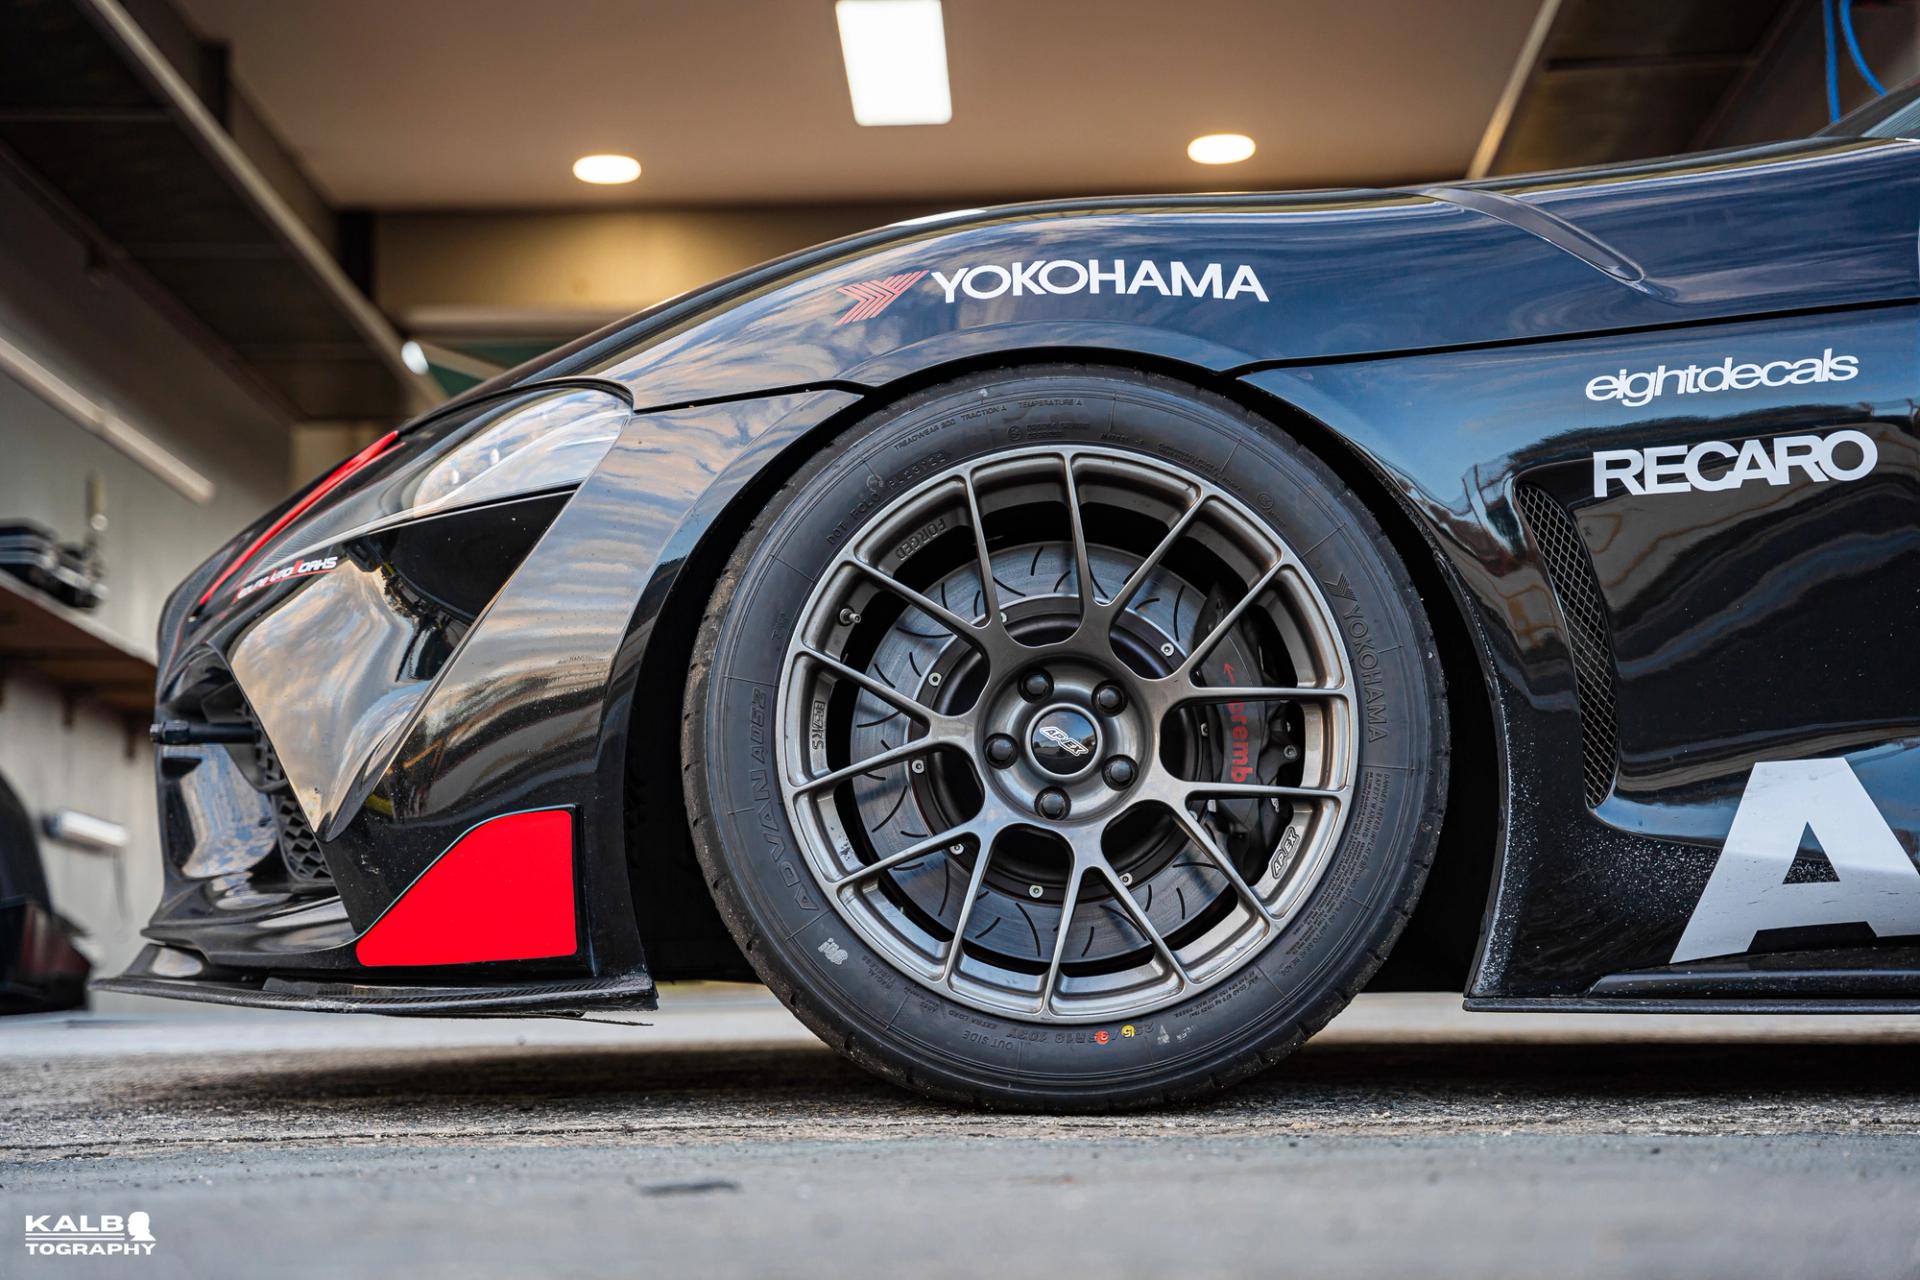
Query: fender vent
[{"x": 1576, "y": 589}]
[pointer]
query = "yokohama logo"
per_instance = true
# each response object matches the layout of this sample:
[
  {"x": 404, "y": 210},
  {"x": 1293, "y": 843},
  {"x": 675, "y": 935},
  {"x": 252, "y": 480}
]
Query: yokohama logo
[
  {"x": 1223, "y": 281},
  {"x": 871, "y": 297}
]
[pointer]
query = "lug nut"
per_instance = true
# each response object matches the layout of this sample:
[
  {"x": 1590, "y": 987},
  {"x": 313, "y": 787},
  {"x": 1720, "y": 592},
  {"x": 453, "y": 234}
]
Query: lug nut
[
  {"x": 1036, "y": 685},
  {"x": 1001, "y": 750},
  {"x": 1119, "y": 772},
  {"x": 1109, "y": 698},
  {"x": 1051, "y": 804}
]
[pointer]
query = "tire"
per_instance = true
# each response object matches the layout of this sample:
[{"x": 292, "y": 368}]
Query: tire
[{"x": 1199, "y": 948}]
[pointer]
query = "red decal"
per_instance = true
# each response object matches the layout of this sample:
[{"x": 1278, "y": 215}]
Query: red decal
[
  {"x": 504, "y": 891},
  {"x": 1101, "y": 1037},
  {"x": 871, "y": 297},
  {"x": 1242, "y": 758},
  {"x": 300, "y": 508}
]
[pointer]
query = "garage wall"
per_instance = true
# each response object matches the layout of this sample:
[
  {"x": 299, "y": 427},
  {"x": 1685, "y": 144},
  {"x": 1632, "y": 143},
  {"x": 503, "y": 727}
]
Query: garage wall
[{"x": 100, "y": 334}]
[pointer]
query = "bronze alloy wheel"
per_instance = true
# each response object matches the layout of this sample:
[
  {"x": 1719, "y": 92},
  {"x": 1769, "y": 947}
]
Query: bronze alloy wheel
[
  {"x": 990, "y": 727},
  {"x": 1065, "y": 737}
]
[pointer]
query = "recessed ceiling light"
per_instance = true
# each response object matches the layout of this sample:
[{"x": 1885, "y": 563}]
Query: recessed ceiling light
[
  {"x": 414, "y": 357},
  {"x": 896, "y": 56},
  {"x": 1220, "y": 148},
  {"x": 607, "y": 170}
]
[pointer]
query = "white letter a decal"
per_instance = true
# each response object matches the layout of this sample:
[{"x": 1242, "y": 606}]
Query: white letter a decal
[{"x": 1878, "y": 884}]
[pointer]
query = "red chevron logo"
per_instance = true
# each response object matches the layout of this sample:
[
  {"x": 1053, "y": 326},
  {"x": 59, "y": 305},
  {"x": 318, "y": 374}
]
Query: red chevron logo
[{"x": 871, "y": 297}]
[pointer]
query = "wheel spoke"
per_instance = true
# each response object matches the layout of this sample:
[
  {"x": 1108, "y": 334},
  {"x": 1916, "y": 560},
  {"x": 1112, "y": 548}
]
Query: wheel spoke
[
  {"x": 1145, "y": 925},
  {"x": 962, "y": 627},
  {"x": 878, "y": 760},
  {"x": 1051, "y": 983},
  {"x": 1138, "y": 577},
  {"x": 1082, "y": 568},
  {"x": 1218, "y": 856},
  {"x": 920, "y": 849},
  {"x": 950, "y": 964},
  {"x": 1226, "y": 624},
  {"x": 989, "y": 590},
  {"x": 878, "y": 688}
]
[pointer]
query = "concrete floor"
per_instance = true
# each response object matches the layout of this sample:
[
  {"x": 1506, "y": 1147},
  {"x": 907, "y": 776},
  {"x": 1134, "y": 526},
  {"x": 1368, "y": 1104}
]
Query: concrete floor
[{"x": 1410, "y": 1138}]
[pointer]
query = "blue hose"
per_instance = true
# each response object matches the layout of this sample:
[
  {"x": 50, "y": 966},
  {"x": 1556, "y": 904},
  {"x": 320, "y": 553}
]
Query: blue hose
[
  {"x": 1833, "y": 63},
  {"x": 1853, "y": 49}
]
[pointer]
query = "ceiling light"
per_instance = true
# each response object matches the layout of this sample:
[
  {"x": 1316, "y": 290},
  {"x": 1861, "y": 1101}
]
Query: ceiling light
[
  {"x": 1220, "y": 148},
  {"x": 896, "y": 56},
  {"x": 412, "y": 356},
  {"x": 606, "y": 170}
]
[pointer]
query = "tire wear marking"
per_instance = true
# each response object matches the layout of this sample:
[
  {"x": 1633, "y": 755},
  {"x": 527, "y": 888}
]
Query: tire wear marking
[
  {"x": 766, "y": 802},
  {"x": 877, "y": 491},
  {"x": 1363, "y": 828},
  {"x": 1172, "y": 453}
]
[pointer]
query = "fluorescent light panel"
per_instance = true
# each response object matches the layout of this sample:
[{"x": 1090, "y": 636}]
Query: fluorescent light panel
[{"x": 896, "y": 56}]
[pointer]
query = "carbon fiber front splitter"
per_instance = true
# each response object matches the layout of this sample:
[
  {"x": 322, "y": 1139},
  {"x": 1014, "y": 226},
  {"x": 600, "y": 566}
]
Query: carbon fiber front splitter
[{"x": 146, "y": 977}]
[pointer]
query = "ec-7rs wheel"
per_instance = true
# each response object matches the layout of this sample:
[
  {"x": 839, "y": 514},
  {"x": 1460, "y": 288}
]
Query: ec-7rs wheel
[{"x": 1065, "y": 738}]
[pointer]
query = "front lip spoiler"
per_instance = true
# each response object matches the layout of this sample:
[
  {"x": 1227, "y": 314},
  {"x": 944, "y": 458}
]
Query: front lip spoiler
[{"x": 564, "y": 999}]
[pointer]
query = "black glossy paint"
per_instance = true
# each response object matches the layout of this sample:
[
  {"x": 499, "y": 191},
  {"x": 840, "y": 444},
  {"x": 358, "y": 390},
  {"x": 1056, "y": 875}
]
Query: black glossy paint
[
  {"x": 1756, "y": 623},
  {"x": 1444, "y": 339}
]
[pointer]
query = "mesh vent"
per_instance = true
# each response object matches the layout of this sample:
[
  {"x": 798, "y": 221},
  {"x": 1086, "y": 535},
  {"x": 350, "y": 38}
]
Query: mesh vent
[
  {"x": 299, "y": 847},
  {"x": 1577, "y": 591},
  {"x": 215, "y": 696}
]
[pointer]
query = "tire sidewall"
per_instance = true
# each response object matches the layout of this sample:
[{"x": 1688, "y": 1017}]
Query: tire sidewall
[{"x": 851, "y": 991}]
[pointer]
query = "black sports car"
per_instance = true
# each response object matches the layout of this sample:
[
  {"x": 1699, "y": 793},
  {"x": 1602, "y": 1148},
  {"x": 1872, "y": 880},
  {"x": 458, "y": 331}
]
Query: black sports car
[{"x": 1051, "y": 646}]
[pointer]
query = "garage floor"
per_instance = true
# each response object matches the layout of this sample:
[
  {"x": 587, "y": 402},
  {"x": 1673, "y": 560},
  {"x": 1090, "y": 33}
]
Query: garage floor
[{"x": 1410, "y": 1138}]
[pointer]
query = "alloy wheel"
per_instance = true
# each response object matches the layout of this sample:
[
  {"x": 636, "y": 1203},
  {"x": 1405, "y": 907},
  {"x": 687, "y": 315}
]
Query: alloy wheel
[{"x": 1067, "y": 733}]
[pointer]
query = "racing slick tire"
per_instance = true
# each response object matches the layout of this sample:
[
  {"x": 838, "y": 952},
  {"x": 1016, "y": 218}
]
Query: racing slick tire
[{"x": 902, "y": 780}]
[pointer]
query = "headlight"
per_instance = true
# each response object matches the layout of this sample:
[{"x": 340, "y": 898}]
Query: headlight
[
  {"x": 549, "y": 445},
  {"x": 498, "y": 449},
  {"x": 493, "y": 451}
]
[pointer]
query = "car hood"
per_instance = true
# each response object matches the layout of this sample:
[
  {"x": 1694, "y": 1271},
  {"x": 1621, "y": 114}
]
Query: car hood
[{"x": 1321, "y": 275}]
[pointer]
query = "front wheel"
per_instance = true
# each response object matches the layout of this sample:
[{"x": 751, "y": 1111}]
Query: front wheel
[{"x": 1065, "y": 738}]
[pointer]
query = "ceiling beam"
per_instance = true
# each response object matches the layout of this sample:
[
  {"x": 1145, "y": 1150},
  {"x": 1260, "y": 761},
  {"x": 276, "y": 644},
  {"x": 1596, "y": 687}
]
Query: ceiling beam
[
  {"x": 219, "y": 147},
  {"x": 1524, "y": 67}
]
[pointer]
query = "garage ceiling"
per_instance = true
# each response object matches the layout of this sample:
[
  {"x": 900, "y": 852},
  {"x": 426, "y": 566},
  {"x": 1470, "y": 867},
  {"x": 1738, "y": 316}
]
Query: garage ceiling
[{"x": 470, "y": 104}]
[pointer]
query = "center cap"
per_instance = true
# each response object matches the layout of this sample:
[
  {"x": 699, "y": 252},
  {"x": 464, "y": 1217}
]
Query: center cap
[{"x": 1064, "y": 741}]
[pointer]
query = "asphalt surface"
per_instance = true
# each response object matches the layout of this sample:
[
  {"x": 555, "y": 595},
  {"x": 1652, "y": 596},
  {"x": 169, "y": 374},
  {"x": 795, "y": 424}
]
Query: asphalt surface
[{"x": 1409, "y": 1138}]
